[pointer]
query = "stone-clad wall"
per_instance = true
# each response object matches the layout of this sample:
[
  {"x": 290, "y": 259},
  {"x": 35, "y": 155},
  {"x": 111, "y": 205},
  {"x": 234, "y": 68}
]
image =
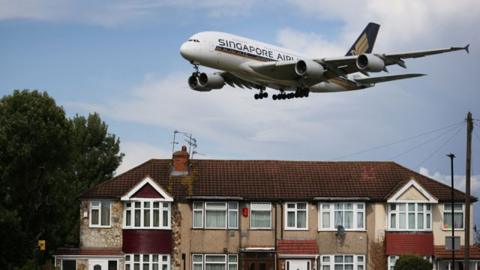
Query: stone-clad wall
[{"x": 101, "y": 237}]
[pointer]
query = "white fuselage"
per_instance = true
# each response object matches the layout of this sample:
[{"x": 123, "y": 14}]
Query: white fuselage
[{"x": 235, "y": 54}]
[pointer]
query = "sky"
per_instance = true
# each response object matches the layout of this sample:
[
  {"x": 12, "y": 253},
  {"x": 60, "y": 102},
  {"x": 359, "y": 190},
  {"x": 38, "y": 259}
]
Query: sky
[{"x": 121, "y": 58}]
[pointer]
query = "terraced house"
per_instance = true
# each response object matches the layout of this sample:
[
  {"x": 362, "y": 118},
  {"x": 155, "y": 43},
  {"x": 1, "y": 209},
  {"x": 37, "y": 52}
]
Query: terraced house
[{"x": 181, "y": 214}]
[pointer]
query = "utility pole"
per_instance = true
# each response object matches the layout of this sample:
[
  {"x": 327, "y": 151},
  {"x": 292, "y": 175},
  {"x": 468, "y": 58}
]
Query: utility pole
[
  {"x": 452, "y": 156},
  {"x": 468, "y": 173}
]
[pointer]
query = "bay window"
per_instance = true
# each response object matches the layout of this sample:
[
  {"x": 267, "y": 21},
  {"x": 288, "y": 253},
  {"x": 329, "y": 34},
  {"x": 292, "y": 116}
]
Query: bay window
[
  {"x": 214, "y": 262},
  {"x": 260, "y": 215},
  {"x": 349, "y": 215},
  {"x": 147, "y": 215},
  {"x": 458, "y": 215},
  {"x": 410, "y": 216},
  {"x": 147, "y": 262},
  {"x": 296, "y": 216},
  {"x": 100, "y": 213},
  {"x": 342, "y": 262},
  {"x": 215, "y": 215}
]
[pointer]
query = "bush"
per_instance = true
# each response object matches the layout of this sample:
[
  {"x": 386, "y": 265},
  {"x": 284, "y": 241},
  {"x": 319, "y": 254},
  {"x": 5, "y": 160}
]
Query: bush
[{"x": 412, "y": 262}]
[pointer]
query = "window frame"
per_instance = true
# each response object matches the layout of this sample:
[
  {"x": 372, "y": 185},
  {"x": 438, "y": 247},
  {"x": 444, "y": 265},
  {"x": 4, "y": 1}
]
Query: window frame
[
  {"x": 454, "y": 212},
  {"x": 295, "y": 210},
  {"x": 331, "y": 261},
  {"x": 259, "y": 209},
  {"x": 131, "y": 263},
  {"x": 161, "y": 208},
  {"x": 100, "y": 211},
  {"x": 331, "y": 211},
  {"x": 226, "y": 261},
  {"x": 426, "y": 213},
  {"x": 228, "y": 210}
]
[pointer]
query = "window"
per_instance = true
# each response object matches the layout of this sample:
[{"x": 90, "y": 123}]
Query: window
[
  {"x": 392, "y": 260},
  {"x": 342, "y": 262},
  {"x": 349, "y": 215},
  {"x": 410, "y": 216},
  {"x": 147, "y": 262},
  {"x": 215, "y": 215},
  {"x": 69, "y": 265},
  {"x": 260, "y": 215},
  {"x": 457, "y": 216},
  {"x": 296, "y": 216},
  {"x": 147, "y": 214},
  {"x": 449, "y": 245},
  {"x": 100, "y": 213},
  {"x": 214, "y": 262},
  {"x": 112, "y": 265}
]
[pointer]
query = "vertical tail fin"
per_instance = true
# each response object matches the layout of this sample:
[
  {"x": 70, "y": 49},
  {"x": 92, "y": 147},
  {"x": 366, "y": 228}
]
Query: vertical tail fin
[{"x": 366, "y": 40}]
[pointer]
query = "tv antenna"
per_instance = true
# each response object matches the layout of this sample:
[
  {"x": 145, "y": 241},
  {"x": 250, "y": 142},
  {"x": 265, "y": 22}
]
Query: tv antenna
[{"x": 189, "y": 139}]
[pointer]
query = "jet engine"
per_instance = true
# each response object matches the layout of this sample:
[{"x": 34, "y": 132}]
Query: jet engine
[
  {"x": 309, "y": 68},
  {"x": 370, "y": 62},
  {"x": 211, "y": 81},
  {"x": 195, "y": 85}
]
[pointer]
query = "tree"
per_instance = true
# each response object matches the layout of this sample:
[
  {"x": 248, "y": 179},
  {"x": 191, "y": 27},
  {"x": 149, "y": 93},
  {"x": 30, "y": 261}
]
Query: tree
[
  {"x": 95, "y": 157},
  {"x": 412, "y": 262},
  {"x": 46, "y": 160}
]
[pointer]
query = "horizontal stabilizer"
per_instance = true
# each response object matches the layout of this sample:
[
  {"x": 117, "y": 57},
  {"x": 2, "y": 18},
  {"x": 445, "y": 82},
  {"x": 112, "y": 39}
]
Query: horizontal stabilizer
[{"x": 387, "y": 78}]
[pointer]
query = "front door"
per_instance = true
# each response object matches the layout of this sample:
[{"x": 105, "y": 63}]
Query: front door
[
  {"x": 97, "y": 265},
  {"x": 298, "y": 265}
]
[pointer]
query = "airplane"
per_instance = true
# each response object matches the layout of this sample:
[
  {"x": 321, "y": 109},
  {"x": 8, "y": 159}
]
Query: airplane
[{"x": 256, "y": 65}]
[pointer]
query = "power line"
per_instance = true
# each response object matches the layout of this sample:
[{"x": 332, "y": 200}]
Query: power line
[
  {"x": 397, "y": 142},
  {"x": 438, "y": 149},
  {"x": 423, "y": 143}
]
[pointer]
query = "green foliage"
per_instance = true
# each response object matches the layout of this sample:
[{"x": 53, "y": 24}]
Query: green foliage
[
  {"x": 412, "y": 262},
  {"x": 46, "y": 160}
]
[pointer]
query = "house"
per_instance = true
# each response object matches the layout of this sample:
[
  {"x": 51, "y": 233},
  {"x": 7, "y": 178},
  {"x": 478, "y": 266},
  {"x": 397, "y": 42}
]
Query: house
[{"x": 182, "y": 214}]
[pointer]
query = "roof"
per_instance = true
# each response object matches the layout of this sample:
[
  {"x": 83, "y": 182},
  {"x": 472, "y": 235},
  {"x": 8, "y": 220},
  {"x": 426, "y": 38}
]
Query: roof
[
  {"x": 297, "y": 247},
  {"x": 442, "y": 253},
  {"x": 274, "y": 180},
  {"x": 409, "y": 243},
  {"x": 89, "y": 252}
]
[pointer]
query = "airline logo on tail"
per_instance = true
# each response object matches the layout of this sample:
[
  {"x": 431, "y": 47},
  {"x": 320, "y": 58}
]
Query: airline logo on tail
[{"x": 366, "y": 40}]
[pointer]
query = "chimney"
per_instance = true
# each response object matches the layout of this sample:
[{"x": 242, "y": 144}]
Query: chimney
[{"x": 180, "y": 162}]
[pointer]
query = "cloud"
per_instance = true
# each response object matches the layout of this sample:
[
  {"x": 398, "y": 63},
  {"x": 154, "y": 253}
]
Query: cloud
[
  {"x": 115, "y": 12},
  {"x": 459, "y": 180},
  {"x": 405, "y": 24},
  {"x": 138, "y": 152}
]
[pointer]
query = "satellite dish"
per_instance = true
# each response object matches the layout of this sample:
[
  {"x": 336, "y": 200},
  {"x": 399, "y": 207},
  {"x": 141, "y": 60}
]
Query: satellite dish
[{"x": 340, "y": 231}]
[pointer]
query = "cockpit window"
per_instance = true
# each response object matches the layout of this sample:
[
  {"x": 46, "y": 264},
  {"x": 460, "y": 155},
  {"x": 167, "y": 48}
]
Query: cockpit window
[{"x": 194, "y": 40}]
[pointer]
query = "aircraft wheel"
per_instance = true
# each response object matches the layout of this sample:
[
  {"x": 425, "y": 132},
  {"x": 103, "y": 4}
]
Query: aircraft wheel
[
  {"x": 274, "y": 97},
  {"x": 256, "y": 96},
  {"x": 265, "y": 94}
]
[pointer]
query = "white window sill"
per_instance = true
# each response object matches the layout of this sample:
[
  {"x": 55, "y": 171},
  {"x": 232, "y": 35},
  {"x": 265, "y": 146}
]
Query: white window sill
[
  {"x": 456, "y": 229},
  {"x": 260, "y": 229},
  {"x": 295, "y": 229},
  {"x": 347, "y": 230},
  {"x": 100, "y": 227},
  {"x": 408, "y": 230}
]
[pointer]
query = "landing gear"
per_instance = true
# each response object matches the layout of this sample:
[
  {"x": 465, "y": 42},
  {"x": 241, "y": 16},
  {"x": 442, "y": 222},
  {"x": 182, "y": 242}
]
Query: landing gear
[
  {"x": 261, "y": 95},
  {"x": 299, "y": 93}
]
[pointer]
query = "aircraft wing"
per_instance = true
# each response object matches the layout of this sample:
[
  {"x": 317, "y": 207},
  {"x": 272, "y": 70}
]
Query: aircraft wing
[
  {"x": 280, "y": 70},
  {"x": 235, "y": 81},
  {"x": 346, "y": 65},
  {"x": 373, "y": 80}
]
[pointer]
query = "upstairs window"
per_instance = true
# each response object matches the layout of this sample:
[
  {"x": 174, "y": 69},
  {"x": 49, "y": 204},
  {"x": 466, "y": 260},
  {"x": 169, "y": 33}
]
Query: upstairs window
[
  {"x": 100, "y": 213},
  {"x": 410, "y": 216},
  {"x": 260, "y": 215},
  {"x": 215, "y": 215},
  {"x": 457, "y": 216},
  {"x": 147, "y": 215},
  {"x": 349, "y": 215},
  {"x": 296, "y": 216}
]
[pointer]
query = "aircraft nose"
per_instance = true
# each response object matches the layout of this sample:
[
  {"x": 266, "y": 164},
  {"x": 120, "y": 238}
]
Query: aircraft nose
[{"x": 186, "y": 50}]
